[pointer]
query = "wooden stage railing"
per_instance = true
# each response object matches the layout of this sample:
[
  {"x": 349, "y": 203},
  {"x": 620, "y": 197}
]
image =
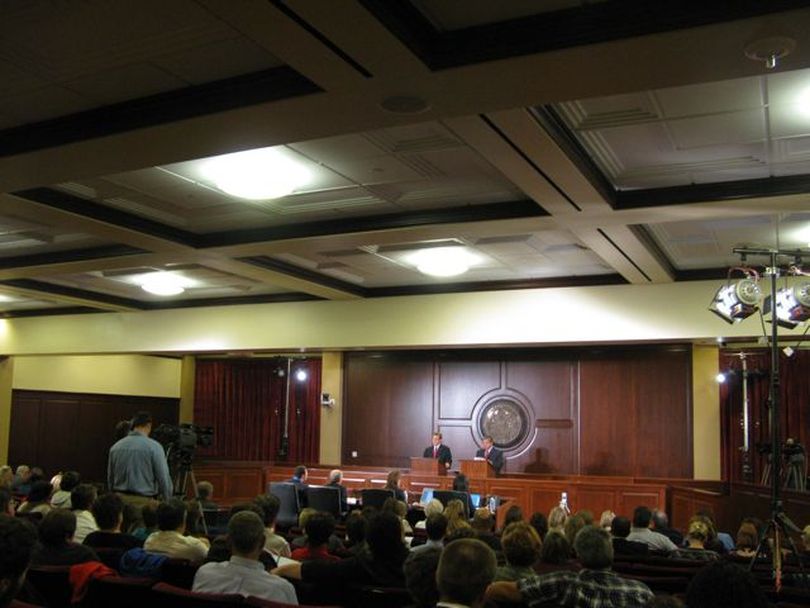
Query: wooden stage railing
[{"x": 240, "y": 481}]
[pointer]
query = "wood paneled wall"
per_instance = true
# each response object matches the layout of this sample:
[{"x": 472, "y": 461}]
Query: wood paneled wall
[
  {"x": 620, "y": 411},
  {"x": 74, "y": 431}
]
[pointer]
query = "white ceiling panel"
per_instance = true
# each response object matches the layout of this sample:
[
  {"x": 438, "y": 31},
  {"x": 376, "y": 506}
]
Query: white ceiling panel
[
  {"x": 711, "y": 97},
  {"x": 745, "y": 126}
]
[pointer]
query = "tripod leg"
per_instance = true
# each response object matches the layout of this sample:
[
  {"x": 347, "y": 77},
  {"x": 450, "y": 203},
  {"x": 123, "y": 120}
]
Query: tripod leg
[{"x": 196, "y": 495}]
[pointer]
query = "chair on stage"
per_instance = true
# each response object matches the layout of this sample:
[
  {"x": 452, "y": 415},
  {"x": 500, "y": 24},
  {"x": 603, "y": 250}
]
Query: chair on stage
[
  {"x": 445, "y": 496},
  {"x": 287, "y": 494},
  {"x": 374, "y": 497},
  {"x": 324, "y": 498}
]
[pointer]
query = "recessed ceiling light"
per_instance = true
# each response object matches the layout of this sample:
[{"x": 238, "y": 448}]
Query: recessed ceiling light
[
  {"x": 163, "y": 283},
  {"x": 443, "y": 261},
  {"x": 261, "y": 174}
]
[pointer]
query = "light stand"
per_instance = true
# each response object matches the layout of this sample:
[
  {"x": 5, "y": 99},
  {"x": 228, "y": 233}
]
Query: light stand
[{"x": 779, "y": 521}]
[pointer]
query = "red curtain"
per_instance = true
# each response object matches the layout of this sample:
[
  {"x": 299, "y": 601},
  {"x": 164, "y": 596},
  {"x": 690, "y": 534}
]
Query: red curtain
[
  {"x": 794, "y": 416},
  {"x": 244, "y": 401}
]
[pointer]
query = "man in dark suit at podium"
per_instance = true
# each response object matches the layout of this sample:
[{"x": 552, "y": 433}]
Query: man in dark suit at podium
[
  {"x": 491, "y": 454},
  {"x": 439, "y": 451}
]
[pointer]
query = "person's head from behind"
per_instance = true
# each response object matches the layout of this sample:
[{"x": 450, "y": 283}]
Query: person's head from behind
[
  {"x": 57, "y": 528},
  {"x": 436, "y": 526},
  {"x": 556, "y": 518},
  {"x": 620, "y": 527},
  {"x": 82, "y": 497},
  {"x": 513, "y": 515},
  {"x": 747, "y": 536},
  {"x": 149, "y": 515},
  {"x": 246, "y": 534},
  {"x": 6, "y": 505},
  {"x": 335, "y": 476},
  {"x": 642, "y": 516},
  {"x": 384, "y": 536},
  {"x": 420, "y": 576},
  {"x": 461, "y": 483},
  {"x": 556, "y": 549},
  {"x": 108, "y": 511},
  {"x": 355, "y": 528},
  {"x": 482, "y": 520},
  {"x": 454, "y": 510},
  {"x": 594, "y": 548},
  {"x": 606, "y": 519},
  {"x": 521, "y": 544},
  {"x": 724, "y": 584},
  {"x": 319, "y": 528},
  {"x": 171, "y": 515},
  {"x": 40, "y": 491},
  {"x": 142, "y": 422},
  {"x": 466, "y": 568},
  {"x": 300, "y": 473},
  {"x": 304, "y": 516},
  {"x": 270, "y": 506},
  {"x": 6, "y": 476},
  {"x": 23, "y": 472},
  {"x": 205, "y": 490},
  {"x": 70, "y": 479},
  {"x": 539, "y": 522},
  {"x": 659, "y": 519},
  {"x": 586, "y": 516},
  {"x": 392, "y": 481},
  {"x": 698, "y": 533},
  {"x": 572, "y": 527},
  {"x": 433, "y": 506},
  {"x": 17, "y": 541}
]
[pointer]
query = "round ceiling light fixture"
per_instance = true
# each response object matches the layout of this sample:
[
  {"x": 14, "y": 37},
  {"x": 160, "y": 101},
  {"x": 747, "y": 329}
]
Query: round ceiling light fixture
[
  {"x": 443, "y": 261},
  {"x": 163, "y": 284},
  {"x": 770, "y": 50},
  {"x": 261, "y": 174}
]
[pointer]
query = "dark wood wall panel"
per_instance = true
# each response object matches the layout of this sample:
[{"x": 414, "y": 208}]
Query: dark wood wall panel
[
  {"x": 74, "y": 431},
  {"x": 620, "y": 411}
]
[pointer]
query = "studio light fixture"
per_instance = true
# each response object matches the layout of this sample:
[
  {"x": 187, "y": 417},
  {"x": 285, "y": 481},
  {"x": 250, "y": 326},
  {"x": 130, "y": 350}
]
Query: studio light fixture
[
  {"x": 736, "y": 301},
  {"x": 163, "y": 283},
  {"x": 301, "y": 375},
  {"x": 261, "y": 174},
  {"x": 792, "y": 305},
  {"x": 443, "y": 261},
  {"x": 720, "y": 378}
]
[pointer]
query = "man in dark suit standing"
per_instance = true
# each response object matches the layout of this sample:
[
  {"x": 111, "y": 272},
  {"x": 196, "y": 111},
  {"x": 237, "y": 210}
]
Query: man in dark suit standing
[
  {"x": 439, "y": 451},
  {"x": 491, "y": 454}
]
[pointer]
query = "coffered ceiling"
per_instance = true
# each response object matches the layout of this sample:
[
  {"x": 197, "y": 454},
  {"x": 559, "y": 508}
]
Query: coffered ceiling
[{"x": 623, "y": 145}]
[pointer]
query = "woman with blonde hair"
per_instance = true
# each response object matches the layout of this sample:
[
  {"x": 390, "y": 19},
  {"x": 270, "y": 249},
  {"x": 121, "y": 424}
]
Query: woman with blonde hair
[
  {"x": 454, "y": 511},
  {"x": 556, "y": 520},
  {"x": 394, "y": 483},
  {"x": 697, "y": 536}
]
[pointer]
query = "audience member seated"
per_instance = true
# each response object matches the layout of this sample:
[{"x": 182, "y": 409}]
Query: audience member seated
[
  {"x": 555, "y": 549},
  {"x": 660, "y": 524},
  {"x": 299, "y": 480},
  {"x": 454, "y": 512},
  {"x": 513, "y": 515},
  {"x": 606, "y": 519},
  {"x": 540, "y": 523},
  {"x": 56, "y": 546},
  {"x": 725, "y": 542},
  {"x": 319, "y": 527},
  {"x": 695, "y": 550},
  {"x": 595, "y": 586},
  {"x": 586, "y": 516},
  {"x": 355, "y": 532},
  {"x": 205, "y": 493},
  {"x": 108, "y": 511},
  {"x": 556, "y": 519},
  {"x": 641, "y": 533},
  {"x": 394, "y": 483},
  {"x": 400, "y": 509},
  {"x": 38, "y": 498},
  {"x": 466, "y": 568},
  {"x": 335, "y": 544},
  {"x": 420, "y": 576},
  {"x": 433, "y": 506},
  {"x": 521, "y": 549},
  {"x": 381, "y": 565},
  {"x": 620, "y": 529},
  {"x": 724, "y": 584},
  {"x": 82, "y": 498},
  {"x": 462, "y": 484},
  {"x": 747, "y": 540},
  {"x": 61, "y": 497},
  {"x": 572, "y": 527},
  {"x": 169, "y": 539},
  {"x": 436, "y": 528},
  {"x": 148, "y": 520},
  {"x": 243, "y": 573},
  {"x": 336, "y": 481},
  {"x": 6, "y": 477},
  {"x": 274, "y": 543},
  {"x": 6, "y": 502},
  {"x": 17, "y": 542},
  {"x": 464, "y": 531},
  {"x": 21, "y": 484},
  {"x": 483, "y": 523}
]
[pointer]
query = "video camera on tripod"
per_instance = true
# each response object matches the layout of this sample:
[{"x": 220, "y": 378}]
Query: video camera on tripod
[{"x": 180, "y": 441}]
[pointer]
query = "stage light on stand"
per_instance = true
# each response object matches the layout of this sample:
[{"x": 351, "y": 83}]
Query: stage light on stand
[
  {"x": 792, "y": 305},
  {"x": 734, "y": 302},
  {"x": 721, "y": 378},
  {"x": 301, "y": 375}
]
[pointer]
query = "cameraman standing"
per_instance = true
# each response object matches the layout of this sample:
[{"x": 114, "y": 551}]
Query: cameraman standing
[{"x": 137, "y": 468}]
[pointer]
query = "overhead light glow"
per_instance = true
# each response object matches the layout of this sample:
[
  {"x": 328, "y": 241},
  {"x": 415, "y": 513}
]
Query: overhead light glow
[
  {"x": 163, "y": 284},
  {"x": 260, "y": 174},
  {"x": 803, "y": 102},
  {"x": 301, "y": 375},
  {"x": 721, "y": 377},
  {"x": 443, "y": 261},
  {"x": 5, "y": 298},
  {"x": 734, "y": 302}
]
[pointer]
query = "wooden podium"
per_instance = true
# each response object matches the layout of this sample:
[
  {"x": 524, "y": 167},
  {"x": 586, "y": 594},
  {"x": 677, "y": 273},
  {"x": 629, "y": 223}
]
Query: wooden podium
[
  {"x": 477, "y": 469},
  {"x": 427, "y": 466}
]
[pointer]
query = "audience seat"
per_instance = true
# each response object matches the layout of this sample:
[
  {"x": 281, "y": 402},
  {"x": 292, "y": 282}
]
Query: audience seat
[
  {"x": 169, "y": 596},
  {"x": 324, "y": 498},
  {"x": 178, "y": 572},
  {"x": 121, "y": 592},
  {"x": 380, "y": 597},
  {"x": 287, "y": 494},
  {"x": 375, "y": 497},
  {"x": 52, "y": 583}
]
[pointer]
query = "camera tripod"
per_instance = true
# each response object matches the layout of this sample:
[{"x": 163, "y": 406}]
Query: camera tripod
[{"x": 183, "y": 473}]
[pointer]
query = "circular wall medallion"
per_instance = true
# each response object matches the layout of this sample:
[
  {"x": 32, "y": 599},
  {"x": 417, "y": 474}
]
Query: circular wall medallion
[{"x": 505, "y": 420}]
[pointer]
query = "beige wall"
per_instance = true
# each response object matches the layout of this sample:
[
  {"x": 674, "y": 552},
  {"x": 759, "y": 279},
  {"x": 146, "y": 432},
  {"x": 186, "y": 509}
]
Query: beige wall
[
  {"x": 332, "y": 417},
  {"x": 6, "y": 376},
  {"x": 706, "y": 412},
  {"x": 110, "y": 374}
]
